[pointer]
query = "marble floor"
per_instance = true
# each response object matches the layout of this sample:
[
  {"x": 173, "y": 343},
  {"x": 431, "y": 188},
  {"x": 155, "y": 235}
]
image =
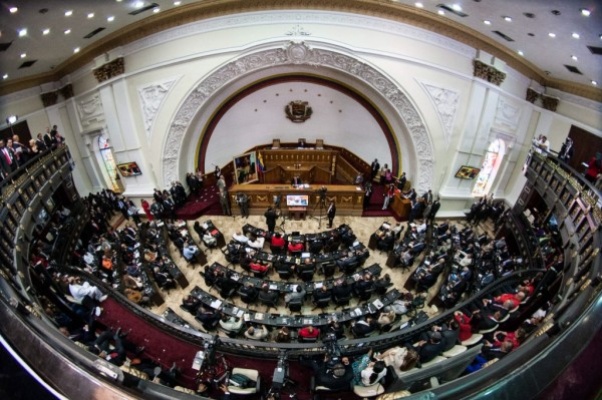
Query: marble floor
[{"x": 363, "y": 227}]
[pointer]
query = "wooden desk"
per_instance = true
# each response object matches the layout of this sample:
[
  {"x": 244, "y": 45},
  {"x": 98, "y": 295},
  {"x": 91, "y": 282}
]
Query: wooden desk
[
  {"x": 297, "y": 212},
  {"x": 401, "y": 206},
  {"x": 348, "y": 198}
]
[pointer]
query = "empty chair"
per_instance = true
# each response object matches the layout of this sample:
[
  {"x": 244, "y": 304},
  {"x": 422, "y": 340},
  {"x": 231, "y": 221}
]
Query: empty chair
[
  {"x": 341, "y": 301},
  {"x": 252, "y": 385},
  {"x": 295, "y": 305},
  {"x": 284, "y": 271},
  {"x": 328, "y": 269},
  {"x": 369, "y": 391},
  {"x": 306, "y": 275},
  {"x": 322, "y": 303}
]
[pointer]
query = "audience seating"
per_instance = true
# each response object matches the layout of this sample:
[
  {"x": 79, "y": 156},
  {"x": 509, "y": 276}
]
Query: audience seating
[{"x": 252, "y": 374}]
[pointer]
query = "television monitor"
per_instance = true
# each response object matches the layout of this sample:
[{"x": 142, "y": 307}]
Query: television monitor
[{"x": 297, "y": 200}]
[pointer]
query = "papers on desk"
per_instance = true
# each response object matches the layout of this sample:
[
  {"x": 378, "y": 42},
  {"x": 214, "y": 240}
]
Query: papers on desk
[
  {"x": 358, "y": 311},
  {"x": 293, "y": 288},
  {"x": 247, "y": 317},
  {"x": 235, "y": 277},
  {"x": 239, "y": 313},
  {"x": 216, "y": 303},
  {"x": 386, "y": 225},
  {"x": 307, "y": 321},
  {"x": 205, "y": 226},
  {"x": 259, "y": 316},
  {"x": 378, "y": 304},
  {"x": 318, "y": 285},
  {"x": 273, "y": 286}
]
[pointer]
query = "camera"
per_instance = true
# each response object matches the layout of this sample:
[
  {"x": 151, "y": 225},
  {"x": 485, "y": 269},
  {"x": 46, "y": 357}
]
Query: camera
[{"x": 332, "y": 348}]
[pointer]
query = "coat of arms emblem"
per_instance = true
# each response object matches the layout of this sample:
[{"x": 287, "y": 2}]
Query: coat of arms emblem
[{"x": 298, "y": 111}]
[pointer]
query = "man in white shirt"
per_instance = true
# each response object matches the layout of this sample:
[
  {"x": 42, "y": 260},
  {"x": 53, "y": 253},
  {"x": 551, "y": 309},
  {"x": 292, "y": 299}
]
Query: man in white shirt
[
  {"x": 190, "y": 251},
  {"x": 542, "y": 144},
  {"x": 240, "y": 238},
  {"x": 80, "y": 290}
]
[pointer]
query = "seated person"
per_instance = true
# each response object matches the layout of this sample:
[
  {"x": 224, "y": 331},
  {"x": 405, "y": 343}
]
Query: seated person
[
  {"x": 491, "y": 351},
  {"x": 321, "y": 295},
  {"x": 249, "y": 291},
  {"x": 163, "y": 279},
  {"x": 209, "y": 240},
  {"x": 190, "y": 251},
  {"x": 256, "y": 242},
  {"x": 430, "y": 346},
  {"x": 208, "y": 317},
  {"x": 382, "y": 284},
  {"x": 514, "y": 298},
  {"x": 80, "y": 290},
  {"x": 363, "y": 327},
  {"x": 258, "y": 267},
  {"x": 295, "y": 247},
  {"x": 401, "y": 358},
  {"x": 296, "y": 180},
  {"x": 191, "y": 304},
  {"x": 386, "y": 317},
  {"x": 277, "y": 240},
  {"x": 341, "y": 290},
  {"x": 336, "y": 329},
  {"x": 463, "y": 321},
  {"x": 256, "y": 333},
  {"x": 368, "y": 372},
  {"x": 230, "y": 324},
  {"x": 331, "y": 374},
  {"x": 239, "y": 237},
  {"x": 117, "y": 354},
  {"x": 283, "y": 335},
  {"x": 309, "y": 332},
  {"x": 297, "y": 294},
  {"x": 363, "y": 286},
  {"x": 267, "y": 296}
]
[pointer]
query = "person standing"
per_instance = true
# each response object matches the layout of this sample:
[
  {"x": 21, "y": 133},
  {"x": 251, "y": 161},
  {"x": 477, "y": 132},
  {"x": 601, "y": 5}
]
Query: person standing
[
  {"x": 374, "y": 169},
  {"x": 331, "y": 212},
  {"x": 243, "y": 203},
  {"x": 223, "y": 195},
  {"x": 270, "y": 218},
  {"x": 567, "y": 150},
  {"x": 367, "y": 193},
  {"x": 7, "y": 159}
]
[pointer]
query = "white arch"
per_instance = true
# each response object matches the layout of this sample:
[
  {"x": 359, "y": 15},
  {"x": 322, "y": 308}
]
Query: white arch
[{"x": 301, "y": 55}]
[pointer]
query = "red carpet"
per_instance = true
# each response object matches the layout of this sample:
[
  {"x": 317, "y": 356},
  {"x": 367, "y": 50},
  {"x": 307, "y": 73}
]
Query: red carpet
[
  {"x": 375, "y": 206},
  {"x": 205, "y": 203}
]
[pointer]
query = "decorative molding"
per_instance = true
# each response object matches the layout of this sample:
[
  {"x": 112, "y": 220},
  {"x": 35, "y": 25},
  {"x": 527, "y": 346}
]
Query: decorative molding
[
  {"x": 573, "y": 99},
  {"x": 90, "y": 110},
  {"x": 488, "y": 72},
  {"x": 446, "y": 103},
  {"x": 532, "y": 95},
  {"x": 507, "y": 115},
  {"x": 67, "y": 91},
  {"x": 259, "y": 60},
  {"x": 151, "y": 99},
  {"x": 298, "y": 30},
  {"x": 109, "y": 70},
  {"x": 549, "y": 102}
]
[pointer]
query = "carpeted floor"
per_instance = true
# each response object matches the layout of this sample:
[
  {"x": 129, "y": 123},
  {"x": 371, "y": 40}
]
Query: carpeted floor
[{"x": 205, "y": 203}]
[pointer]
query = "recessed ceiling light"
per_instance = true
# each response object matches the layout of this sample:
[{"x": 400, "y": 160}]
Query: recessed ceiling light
[
  {"x": 594, "y": 83},
  {"x": 156, "y": 10},
  {"x": 507, "y": 18},
  {"x": 23, "y": 55},
  {"x": 575, "y": 35},
  {"x": 487, "y": 22},
  {"x": 46, "y": 31},
  {"x": 574, "y": 58},
  {"x": 90, "y": 15},
  {"x": 5, "y": 76},
  {"x": 585, "y": 12},
  {"x": 110, "y": 18},
  {"x": 441, "y": 12},
  {"x": 68, "y": 13},
  {"x": 119, "y": 1},
  {"x": 520, "y": 53},
  {"x": 22, "y": 32},
  {"x": 552, "y": 34},
  {"x": 13, "y": 10},
  {"x": 417, "y": 4},
  {"x": 177, "y": 3},
  {"x": 76, "y": 50},
  {"x": 457, "y": 7},
  {"x": 138, "y": 4},
  {"x": 67, "y": 31}
]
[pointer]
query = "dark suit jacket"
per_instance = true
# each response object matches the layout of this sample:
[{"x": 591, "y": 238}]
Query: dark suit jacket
[
  {"x": 332, "y": 211},
  {"x": 6, "y": 167}
]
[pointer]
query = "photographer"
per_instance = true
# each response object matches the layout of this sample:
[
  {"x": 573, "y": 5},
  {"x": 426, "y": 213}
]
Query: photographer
[{"x": 270, "y": 218}]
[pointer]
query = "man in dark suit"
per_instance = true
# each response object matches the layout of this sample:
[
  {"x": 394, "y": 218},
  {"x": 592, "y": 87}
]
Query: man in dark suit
[
  {"x": 270, "y": 219},
  {"x": 331, "y": 212},
  {"x": 374, "y": 168},
  {"x": 8, "y": 163},
  {"x": 431, "y": 346},
  {"x": 296, "y": 181}
]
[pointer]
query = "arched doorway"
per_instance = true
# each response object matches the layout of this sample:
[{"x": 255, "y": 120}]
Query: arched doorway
[{"x": 489, "y": 169}]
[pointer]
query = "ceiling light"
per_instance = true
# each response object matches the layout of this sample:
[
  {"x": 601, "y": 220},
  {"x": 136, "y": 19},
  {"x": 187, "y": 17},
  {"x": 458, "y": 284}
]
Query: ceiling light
[
  {"x": 417, "y": 4},
  {"x": 594, "y": 83},
  {"x": 5, "y": 76},
  {"x": 139, "y": 4},
  {"x": 574, "y": 58},
  {"x": 110, "y": 18},
  {"x": 13, "y": 10},
  {"x": 585, "y": 12},
  {"x": 552, "y": 34},
  {"x": 507, "y": 19},
  {"x": 67, "y": 31},
  {"x": 76, "y": 50},
  {"x": 177, "y": 3},
  {"x": 90, "y": 15},
  {"x": 68, "y": 13},
  {"x": 46, "y": 31},
  {"x": 23, "y": 55},
  {"x": 119, "y": 1},
  {"x": 575, "y": 35},
  {"x": 457, "y": 7},
  {"x": 22, "y": 32},
  {"x": 156, "y": 10},
  {"x": 487, "y": 22},
  {"x": 441, "y": 12},
  {"x": 520, "y": 53}
]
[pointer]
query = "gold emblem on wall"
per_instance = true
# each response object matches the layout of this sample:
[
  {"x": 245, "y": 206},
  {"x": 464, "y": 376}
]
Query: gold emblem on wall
[{"x": 298, "y": 111}]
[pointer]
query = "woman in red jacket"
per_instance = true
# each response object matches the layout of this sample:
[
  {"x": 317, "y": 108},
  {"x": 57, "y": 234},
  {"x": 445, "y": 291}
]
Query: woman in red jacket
[{"x": 465, "y": 327}]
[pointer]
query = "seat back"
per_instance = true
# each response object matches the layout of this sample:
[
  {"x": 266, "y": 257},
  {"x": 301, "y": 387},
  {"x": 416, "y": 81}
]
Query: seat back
[{"x": 295, "y": 305}]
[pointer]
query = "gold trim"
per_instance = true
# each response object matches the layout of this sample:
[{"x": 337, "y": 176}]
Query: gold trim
[{"x": 376, "y": 8}]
